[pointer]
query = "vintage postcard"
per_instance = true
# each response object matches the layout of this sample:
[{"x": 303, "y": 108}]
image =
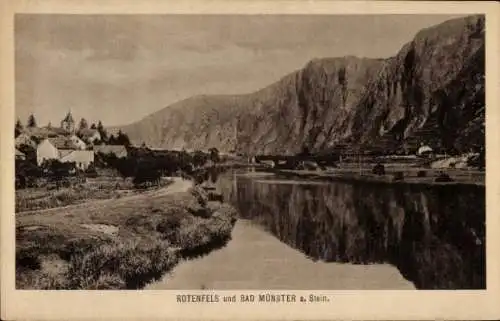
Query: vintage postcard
[{"x": 249, "y": 160}]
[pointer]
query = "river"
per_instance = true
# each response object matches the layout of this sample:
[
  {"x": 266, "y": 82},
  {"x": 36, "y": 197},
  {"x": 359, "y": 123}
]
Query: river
[{"x": 297, "y": 234}]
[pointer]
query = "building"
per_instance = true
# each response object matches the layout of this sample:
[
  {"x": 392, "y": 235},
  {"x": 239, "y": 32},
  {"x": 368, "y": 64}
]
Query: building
[
  {"x": 424, "y": 150},
  {"x": 24, "y": 139},
  {"x": 68, "y": 123},
  {"x": 89, "y": 135},
  {"x": 120, "y": 151},
  {"x": 63, "y": 149},
  {"x": 81, "y": 158},
  {"x": 80, "y": 144},
  {"x": 20, "y": 155}
]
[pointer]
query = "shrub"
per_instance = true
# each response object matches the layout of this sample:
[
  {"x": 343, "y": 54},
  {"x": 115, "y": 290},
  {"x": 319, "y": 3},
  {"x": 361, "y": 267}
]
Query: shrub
[
  {"x": 378, "y": 169},
  {"x": 200, "y": 195},
  {"x": 128, "y": 265},
  {"x": 443, "y": 177},
  {"x": 169, "y": 228}
]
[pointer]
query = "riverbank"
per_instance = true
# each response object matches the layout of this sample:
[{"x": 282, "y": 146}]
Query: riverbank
[
  {"x": 254, "y": 259},
  {"x": 416, "y": 176},
  {"x": 118, "y": 244}
]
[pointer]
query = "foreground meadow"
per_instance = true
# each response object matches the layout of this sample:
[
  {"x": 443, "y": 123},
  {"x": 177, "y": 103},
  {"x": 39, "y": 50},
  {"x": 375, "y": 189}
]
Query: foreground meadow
[{"x": 119, "y": 243}]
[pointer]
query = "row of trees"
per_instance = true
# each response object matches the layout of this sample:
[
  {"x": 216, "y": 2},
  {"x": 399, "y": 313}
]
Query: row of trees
[{"x": 144, "y": 165}]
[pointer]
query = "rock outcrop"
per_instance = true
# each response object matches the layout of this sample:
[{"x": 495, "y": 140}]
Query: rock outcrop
[{"x": 431, "y": 91}]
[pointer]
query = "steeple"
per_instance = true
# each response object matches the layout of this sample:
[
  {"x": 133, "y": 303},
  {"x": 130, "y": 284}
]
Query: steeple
[{"x": 68, "y": 123}]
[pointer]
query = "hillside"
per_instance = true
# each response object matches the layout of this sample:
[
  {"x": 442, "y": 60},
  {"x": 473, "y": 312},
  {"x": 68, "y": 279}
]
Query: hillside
[{"x": 432, "y": 90}]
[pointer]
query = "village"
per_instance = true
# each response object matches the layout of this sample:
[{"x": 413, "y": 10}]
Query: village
[{"x": 65, "y": 143}]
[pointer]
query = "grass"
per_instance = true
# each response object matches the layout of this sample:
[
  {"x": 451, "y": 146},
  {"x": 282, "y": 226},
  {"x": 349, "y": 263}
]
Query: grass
[
  {"x": 30, "y": 199},
  {"x": 54, "y": 249}
]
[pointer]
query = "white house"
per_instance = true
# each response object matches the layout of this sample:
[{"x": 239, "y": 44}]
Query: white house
[
  {"x": 89, "y": 135},
  {"x": 81, "y": 158},
  {"x": 45, "y": 151},
  {"x": 80, "y": 144},
  {"x": 64, "y": 150},
  {"x": 424, "y": 150}
]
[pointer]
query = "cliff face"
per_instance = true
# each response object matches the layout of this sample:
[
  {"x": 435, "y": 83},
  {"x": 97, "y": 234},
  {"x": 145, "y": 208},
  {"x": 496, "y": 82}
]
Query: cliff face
[
  {"x": 305, "y": 108},
  {"x": 199, "y": 122},
  {"x": 431, "y": 91},
  {"x": 427, "y": 90}
]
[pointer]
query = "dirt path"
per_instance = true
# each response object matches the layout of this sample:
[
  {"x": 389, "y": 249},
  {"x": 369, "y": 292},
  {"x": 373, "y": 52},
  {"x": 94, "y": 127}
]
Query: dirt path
[
  {"x": 254, "y": 259},
  {"x": 178, "y": 185}
]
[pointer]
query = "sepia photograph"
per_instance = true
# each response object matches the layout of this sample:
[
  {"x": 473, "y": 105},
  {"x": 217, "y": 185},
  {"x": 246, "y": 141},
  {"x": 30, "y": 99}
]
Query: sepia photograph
[
  {"x": 241, "y": 152},
  {"x": 249, "y": 152}
]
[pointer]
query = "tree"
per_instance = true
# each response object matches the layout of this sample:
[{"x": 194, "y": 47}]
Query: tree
[
  {"x": 18, "y": 128},
  {"x": 31, "y": 121},
  {"x": 214, "y": 154},
  {"x": 83, "y": 124},
  {"x": 111, "y": 140},
  {"x": 93, "y": 126},
  {"x": 199, "y": 158},
  {"x": 122, "y": 139},
  {"x": 49, "y": 125},
  {"x": 102, "y": 132}
]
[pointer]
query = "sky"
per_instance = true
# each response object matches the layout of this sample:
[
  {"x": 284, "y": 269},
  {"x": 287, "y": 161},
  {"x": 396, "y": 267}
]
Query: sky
[{"x": 121, "y": 68}]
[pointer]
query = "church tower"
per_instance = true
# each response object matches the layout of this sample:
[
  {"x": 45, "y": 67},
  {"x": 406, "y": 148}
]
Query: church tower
[{"x": 68, "y": 123}]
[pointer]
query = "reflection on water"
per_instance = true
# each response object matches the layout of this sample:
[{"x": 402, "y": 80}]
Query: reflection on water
[{"x": 434, "y": 235}]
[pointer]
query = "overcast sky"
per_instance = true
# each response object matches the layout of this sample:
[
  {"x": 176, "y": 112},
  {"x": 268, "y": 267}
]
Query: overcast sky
[{"x": 120, "y": 68}]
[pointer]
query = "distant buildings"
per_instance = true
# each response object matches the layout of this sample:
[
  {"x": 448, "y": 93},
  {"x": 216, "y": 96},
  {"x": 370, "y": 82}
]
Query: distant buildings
[
  {"x": 89, "y": 135},
  {"x": 424, "y": 150},
  {"x": 64, "y": 150},
  {"x": 65, "y": 144}
]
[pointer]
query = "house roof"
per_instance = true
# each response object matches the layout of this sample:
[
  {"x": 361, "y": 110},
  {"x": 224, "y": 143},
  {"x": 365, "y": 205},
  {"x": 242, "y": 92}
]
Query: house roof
[
  {"x": 118, "y": 150},
  {"x": 424, "y": 149},
  {"x": 61, "y": 142},
  {"x": 44, "y": 132},
  {"x": 88, "y": 132},
  {"x": 19, "y": 153},
  {"x": 78, "y": 156}
]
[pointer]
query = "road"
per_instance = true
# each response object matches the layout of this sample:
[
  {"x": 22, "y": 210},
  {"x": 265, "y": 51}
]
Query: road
[{"x": 178, "y": 185}]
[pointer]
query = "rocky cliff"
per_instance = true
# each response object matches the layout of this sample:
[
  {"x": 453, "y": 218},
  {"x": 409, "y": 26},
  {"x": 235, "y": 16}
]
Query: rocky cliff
[{"x": 431, "y": 91}]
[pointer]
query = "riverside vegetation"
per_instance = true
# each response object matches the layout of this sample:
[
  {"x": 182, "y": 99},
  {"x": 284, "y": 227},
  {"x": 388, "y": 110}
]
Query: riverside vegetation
[
  {"x": 142, "y": 238},
  {"x": 137, "y": 226}
]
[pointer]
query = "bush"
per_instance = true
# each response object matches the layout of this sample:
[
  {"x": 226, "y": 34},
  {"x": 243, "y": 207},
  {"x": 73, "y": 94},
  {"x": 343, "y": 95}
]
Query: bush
[
  {"x": 398, "y": 176},
  {"x": 128, "y": 265},
  {"x": 378, "y": 169},
  {"x": 91, "y": 171},
  {"x": 169, "y": 228},
  {"x": 421, "y": 174},
  {"x": 200, "y": 195},
  {"x": 443, "y": 177}
]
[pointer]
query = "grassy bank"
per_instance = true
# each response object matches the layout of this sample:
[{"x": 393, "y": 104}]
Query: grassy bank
[
  {"x": 117, "y": 245},
  {"x": 40, "y": 198}
]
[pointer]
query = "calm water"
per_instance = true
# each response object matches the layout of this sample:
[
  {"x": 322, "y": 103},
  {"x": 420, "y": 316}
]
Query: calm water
[{"x": 435, "y": 235}]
